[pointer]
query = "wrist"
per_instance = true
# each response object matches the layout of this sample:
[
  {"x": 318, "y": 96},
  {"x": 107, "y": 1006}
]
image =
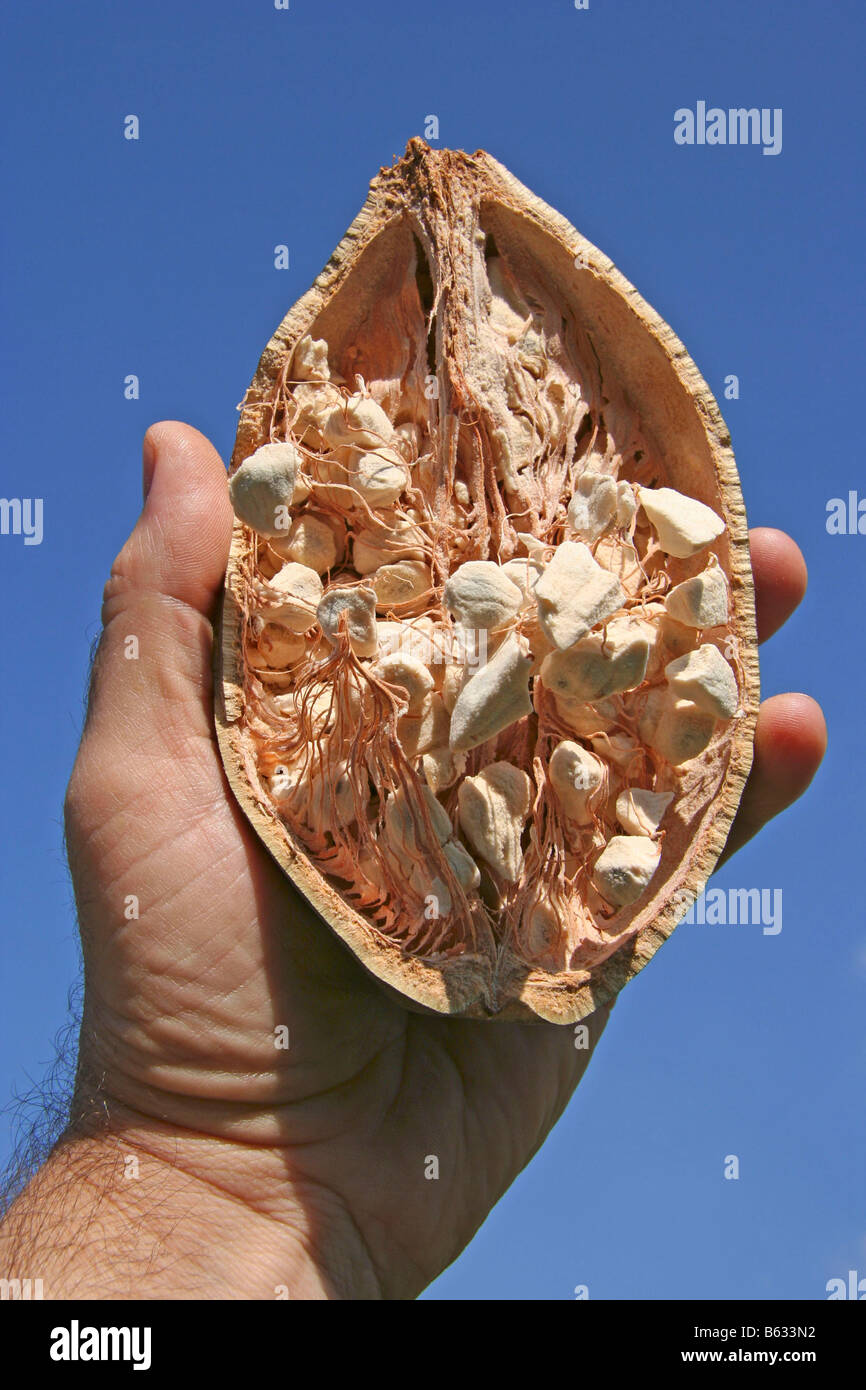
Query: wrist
[{"x": 147, "y": 1212}]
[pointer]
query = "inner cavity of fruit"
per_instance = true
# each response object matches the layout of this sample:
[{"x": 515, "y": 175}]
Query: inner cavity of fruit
[{"x": 483, "y": 639}]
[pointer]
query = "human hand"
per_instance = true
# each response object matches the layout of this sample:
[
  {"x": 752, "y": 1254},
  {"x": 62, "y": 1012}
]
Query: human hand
[{"x": 261, "y": 1167}]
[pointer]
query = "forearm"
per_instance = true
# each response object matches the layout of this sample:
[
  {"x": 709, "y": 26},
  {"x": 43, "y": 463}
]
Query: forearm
[{"x": 141, "y": 1215}]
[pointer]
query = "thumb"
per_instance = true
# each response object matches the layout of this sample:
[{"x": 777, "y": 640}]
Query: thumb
[
  {"x": 180, "y": 544},
  {"x": 150, "y": 685}
]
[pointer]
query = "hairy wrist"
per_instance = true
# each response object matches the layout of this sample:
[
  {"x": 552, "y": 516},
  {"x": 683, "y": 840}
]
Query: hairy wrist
[{"x": 144, "y": 1212}]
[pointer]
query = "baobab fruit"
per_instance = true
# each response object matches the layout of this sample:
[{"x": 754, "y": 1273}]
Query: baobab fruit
[{"x": 515, "y": 680}]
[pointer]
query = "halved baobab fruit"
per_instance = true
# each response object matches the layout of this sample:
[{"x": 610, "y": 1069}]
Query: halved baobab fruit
[{"x": 487, "y": 674}]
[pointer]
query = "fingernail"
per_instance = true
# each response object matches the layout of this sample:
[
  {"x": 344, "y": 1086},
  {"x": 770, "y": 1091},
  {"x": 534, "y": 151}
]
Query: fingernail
[{"x": 148, "y": 465}]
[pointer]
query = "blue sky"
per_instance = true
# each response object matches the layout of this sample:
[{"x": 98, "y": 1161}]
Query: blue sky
[{"x": 155, "y": 257}]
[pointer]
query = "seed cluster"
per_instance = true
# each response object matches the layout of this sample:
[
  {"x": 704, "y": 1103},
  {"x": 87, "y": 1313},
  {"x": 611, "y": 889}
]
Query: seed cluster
[{"x": 501, "y": 739}]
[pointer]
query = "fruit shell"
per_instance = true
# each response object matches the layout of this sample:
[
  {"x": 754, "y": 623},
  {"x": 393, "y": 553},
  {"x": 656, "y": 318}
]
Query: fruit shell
[{"x": 679, "y": 413}]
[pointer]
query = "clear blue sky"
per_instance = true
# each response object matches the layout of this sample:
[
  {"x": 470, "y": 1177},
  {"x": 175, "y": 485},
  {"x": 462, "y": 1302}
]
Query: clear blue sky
[{"x": 261, "y": 127}]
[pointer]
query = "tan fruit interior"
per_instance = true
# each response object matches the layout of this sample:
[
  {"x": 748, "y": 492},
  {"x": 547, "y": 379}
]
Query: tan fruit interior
[{"x": 508, "y": 372}]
